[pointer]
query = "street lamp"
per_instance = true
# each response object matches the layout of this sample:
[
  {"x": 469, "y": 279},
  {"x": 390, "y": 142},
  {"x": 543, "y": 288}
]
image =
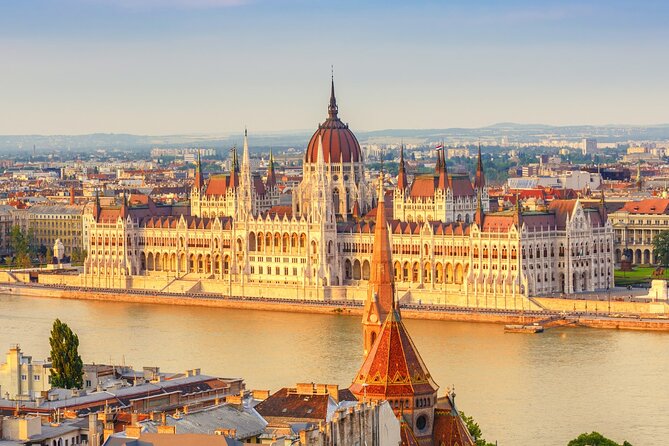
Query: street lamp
[{"x": 608, "y": 293}]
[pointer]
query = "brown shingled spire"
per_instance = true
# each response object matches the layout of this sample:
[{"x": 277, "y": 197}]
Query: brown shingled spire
[
  {"x": 402, "y": 182},
  {"x": 381, "y": 285}
]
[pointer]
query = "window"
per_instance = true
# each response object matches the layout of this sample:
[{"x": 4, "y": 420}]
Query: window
[
  {"x": 24, "y": 377},
  {"x": 88, "y": 383},
  {"x": 36, "y": 377}
]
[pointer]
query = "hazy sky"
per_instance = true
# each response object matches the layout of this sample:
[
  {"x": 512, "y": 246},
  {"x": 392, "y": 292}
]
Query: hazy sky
[{"x": 191, "y": 66}]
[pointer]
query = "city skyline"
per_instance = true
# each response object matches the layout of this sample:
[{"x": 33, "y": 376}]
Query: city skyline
[{"x": 210, "y": 66}]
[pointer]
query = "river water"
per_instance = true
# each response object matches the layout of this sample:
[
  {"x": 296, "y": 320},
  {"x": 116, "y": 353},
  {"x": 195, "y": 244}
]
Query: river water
[{"x": 522, "y": 389}]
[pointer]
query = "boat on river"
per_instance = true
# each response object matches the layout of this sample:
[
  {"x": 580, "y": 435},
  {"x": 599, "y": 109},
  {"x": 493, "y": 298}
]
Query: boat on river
[{"x": 531, "y": 329}]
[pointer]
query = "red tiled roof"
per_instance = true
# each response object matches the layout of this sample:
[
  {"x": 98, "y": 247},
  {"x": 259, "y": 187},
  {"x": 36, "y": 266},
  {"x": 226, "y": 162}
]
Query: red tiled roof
[
  {"x": 449, "y": 429},
  {"x": 461, "y": 186},
  {"x": 648, "y": 206},
  {"x": 393, "y": 367},
  {"x": 219, "y": 185},
  {"x": 423, "y": 186}
]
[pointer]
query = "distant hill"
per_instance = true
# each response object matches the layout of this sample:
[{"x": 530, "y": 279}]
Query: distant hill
[{"x": 513, "y": 132}]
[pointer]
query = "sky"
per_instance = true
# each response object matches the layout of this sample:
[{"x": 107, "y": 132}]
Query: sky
[{"x": 160, "y": 67}]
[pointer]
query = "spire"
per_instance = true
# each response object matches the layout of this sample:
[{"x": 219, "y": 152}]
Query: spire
[
  {"x": 402, "y": 182},
  {"x": 443, "y": 174},
  {"x": 234, "y": 169},
  {"x": 381, "y": 286},
  {"x": 332, "y": 107},
  {"x": 271, "y": 175},
  {"x": 437, "y": 167},
  {"x": 199, "y": 181},
  {"x": 480, "y": 178}
]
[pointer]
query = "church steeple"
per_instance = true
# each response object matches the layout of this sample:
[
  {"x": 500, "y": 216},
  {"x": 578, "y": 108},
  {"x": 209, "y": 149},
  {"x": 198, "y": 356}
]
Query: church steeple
[{"x": 381, "y": 285}]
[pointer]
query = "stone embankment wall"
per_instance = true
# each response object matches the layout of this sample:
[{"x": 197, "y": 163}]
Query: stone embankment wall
[
  {"x": 160, "y": 282},
  {"x": 601, "y": 306}
]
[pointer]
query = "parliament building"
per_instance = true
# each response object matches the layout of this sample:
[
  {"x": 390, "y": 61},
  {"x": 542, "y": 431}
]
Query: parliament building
[{"x": 235, "y": 238}]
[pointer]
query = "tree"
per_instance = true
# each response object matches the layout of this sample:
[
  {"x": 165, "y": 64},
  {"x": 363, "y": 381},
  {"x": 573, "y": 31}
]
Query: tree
[
  {"x": 18, "y": 240},
  {"x": 594, "y": 439},
  {"x": 474, "y": 430},
  {"x": 661, "y": 247},
  {"x": 67, "y": 369},
  {"x": 22, "y": 260}
]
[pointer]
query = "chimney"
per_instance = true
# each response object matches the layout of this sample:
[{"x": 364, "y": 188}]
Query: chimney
[
  {"x": 71, "y": 194},
  {"x": 93, "y": 430}
]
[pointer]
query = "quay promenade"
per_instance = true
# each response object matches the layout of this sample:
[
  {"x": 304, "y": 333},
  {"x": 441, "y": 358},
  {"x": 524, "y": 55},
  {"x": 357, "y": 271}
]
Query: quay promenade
[{"x": 554, "y": 312}]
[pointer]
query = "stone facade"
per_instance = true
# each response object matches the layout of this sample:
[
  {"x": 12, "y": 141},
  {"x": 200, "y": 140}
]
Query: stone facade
[{"x": 446, "y": 247}]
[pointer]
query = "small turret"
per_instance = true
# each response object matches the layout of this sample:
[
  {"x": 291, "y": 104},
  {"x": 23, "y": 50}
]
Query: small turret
[
  {"x": 443, "y": 173},
  {"x": 402, "y": 182},
  {"x": 271, "y": 175}
]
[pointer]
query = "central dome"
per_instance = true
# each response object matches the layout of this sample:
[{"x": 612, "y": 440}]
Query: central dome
[{"x": 339, "y": 143}]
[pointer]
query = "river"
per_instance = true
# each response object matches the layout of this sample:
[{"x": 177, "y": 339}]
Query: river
[{"x": 540, "y": 389}]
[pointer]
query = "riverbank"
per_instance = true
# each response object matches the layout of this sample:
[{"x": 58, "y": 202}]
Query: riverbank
[{"x": 550, "y": 317}]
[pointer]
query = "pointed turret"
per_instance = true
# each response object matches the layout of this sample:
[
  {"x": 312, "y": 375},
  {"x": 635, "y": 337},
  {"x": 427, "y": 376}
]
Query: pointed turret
[
  {"x": 234, "y": 170},
  {"x": 199, "y": 180},
  {"x": 245, "y": 192},
  {"x": 402, "y": 182},
  {"x": 437, "y": 166},
  {"x": 271, "y": 175},
  {"x": 480, "y": 178},
  {"x": 381, "y": 285},
  {"x": 443, "y": 173}
]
